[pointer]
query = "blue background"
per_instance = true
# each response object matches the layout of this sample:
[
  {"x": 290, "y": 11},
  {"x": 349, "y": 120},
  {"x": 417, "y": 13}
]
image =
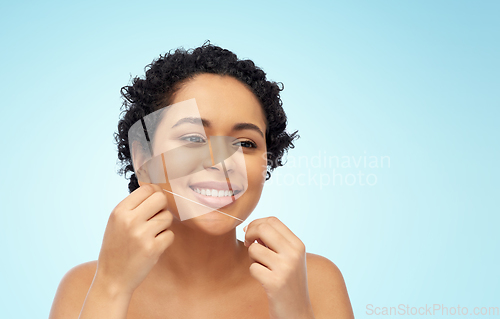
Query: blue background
[{"x": 417, "y": 81}]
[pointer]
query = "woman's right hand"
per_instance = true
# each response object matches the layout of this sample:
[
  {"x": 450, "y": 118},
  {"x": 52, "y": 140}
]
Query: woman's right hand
[{"x": 136, "y": 235}]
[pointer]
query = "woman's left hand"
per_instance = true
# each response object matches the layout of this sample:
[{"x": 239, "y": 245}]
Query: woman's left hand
[{"x": 279, "y": 264}]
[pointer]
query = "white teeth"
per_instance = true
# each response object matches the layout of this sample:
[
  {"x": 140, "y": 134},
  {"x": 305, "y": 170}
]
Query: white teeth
[{"x": 213, "y": 192}]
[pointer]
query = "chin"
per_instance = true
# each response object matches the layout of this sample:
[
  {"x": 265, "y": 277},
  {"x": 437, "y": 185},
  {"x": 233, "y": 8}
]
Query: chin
[{"x": 213, "y": 223}]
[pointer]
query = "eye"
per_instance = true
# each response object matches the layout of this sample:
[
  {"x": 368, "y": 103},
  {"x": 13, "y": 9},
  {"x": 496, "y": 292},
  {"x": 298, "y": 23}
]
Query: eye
[
  {"x": 246, "y": 144},
  {"x": 193, "y": 138}
]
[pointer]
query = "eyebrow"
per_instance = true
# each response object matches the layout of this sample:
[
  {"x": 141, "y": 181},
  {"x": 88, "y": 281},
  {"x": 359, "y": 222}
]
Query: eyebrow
[
  {"x": 207, "y": 123},
  {"x": 192, "y": 120}
]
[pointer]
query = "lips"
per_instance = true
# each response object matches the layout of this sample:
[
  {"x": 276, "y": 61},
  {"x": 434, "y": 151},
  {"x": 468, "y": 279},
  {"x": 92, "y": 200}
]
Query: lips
[
  {"x": 217, "y": 185},
  {"x": 216, "y": 202}
]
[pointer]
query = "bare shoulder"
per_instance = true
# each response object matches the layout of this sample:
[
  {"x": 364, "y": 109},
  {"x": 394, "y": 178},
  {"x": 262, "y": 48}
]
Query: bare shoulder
[
  {"x": 327, "y": 289},
  {"x": 72, "y": 291}
]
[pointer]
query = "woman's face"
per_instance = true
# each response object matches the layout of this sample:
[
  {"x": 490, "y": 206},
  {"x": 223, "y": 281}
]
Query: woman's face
[{"x": 225, "y": 150}]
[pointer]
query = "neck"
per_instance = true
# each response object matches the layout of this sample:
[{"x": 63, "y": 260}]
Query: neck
[{"x": 201, "y": 259}]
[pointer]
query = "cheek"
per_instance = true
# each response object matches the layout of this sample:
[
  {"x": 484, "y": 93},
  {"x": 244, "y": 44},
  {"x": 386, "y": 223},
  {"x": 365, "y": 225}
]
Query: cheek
[
  {"x": 256, "y": 171},
  {"x": 256, "y": 168},
  {"x": 183, "y": 161}
]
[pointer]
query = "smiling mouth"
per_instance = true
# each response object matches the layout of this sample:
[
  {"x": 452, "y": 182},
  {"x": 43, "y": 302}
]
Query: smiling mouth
[
  {"x": 211, "y": 192},
  {"x": 215, "y": 198}
]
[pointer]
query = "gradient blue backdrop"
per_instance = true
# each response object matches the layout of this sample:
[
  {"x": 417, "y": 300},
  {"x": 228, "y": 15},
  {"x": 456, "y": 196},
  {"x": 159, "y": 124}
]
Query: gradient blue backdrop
[{"x": 416, "y": 81}]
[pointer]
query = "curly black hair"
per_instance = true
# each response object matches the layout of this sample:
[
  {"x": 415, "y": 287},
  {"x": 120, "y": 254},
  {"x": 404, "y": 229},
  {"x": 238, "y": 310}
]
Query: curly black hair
[{"x": 165, "y": 75}]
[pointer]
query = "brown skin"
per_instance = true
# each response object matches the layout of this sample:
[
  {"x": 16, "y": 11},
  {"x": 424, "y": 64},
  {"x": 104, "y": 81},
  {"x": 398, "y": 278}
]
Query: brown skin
[{"x": 152, "y": 265}]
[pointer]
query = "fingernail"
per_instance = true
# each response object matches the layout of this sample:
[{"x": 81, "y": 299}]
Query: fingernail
[{"x": 245, "y": 228}]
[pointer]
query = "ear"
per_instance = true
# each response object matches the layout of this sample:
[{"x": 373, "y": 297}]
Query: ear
[{"x": 139, "y": 160}]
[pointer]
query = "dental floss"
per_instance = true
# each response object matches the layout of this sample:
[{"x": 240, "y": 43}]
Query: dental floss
[{"x": 203, "y": 205}]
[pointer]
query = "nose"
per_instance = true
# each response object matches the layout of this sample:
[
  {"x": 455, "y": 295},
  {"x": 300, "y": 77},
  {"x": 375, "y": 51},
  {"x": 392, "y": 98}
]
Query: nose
[{"x": 221, "y": 153}]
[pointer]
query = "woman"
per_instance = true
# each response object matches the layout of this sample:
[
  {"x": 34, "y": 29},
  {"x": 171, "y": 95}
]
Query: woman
[{"x": 154, "y": 263}]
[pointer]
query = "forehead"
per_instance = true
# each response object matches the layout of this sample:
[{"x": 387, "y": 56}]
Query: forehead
[{"x": 223, "y": 100}]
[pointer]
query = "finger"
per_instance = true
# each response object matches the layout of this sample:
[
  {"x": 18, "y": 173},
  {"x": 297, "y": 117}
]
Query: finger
[
  {"x": 261, "y": 242},
  {"x": 281, "y": 228},
  {"x": 285, "y": 231},
  {"x": 137, "y": 197},
  {"x": 263, "y": 255},
  {"x": 164, "y": 239},
  {"x": 159, "y": 222},
  {"x": 268, "y": 235},
  {"x": 261, "y": 273},
  {"x": 152, "y": 205},
  {"x": 253, "y": 224}
]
